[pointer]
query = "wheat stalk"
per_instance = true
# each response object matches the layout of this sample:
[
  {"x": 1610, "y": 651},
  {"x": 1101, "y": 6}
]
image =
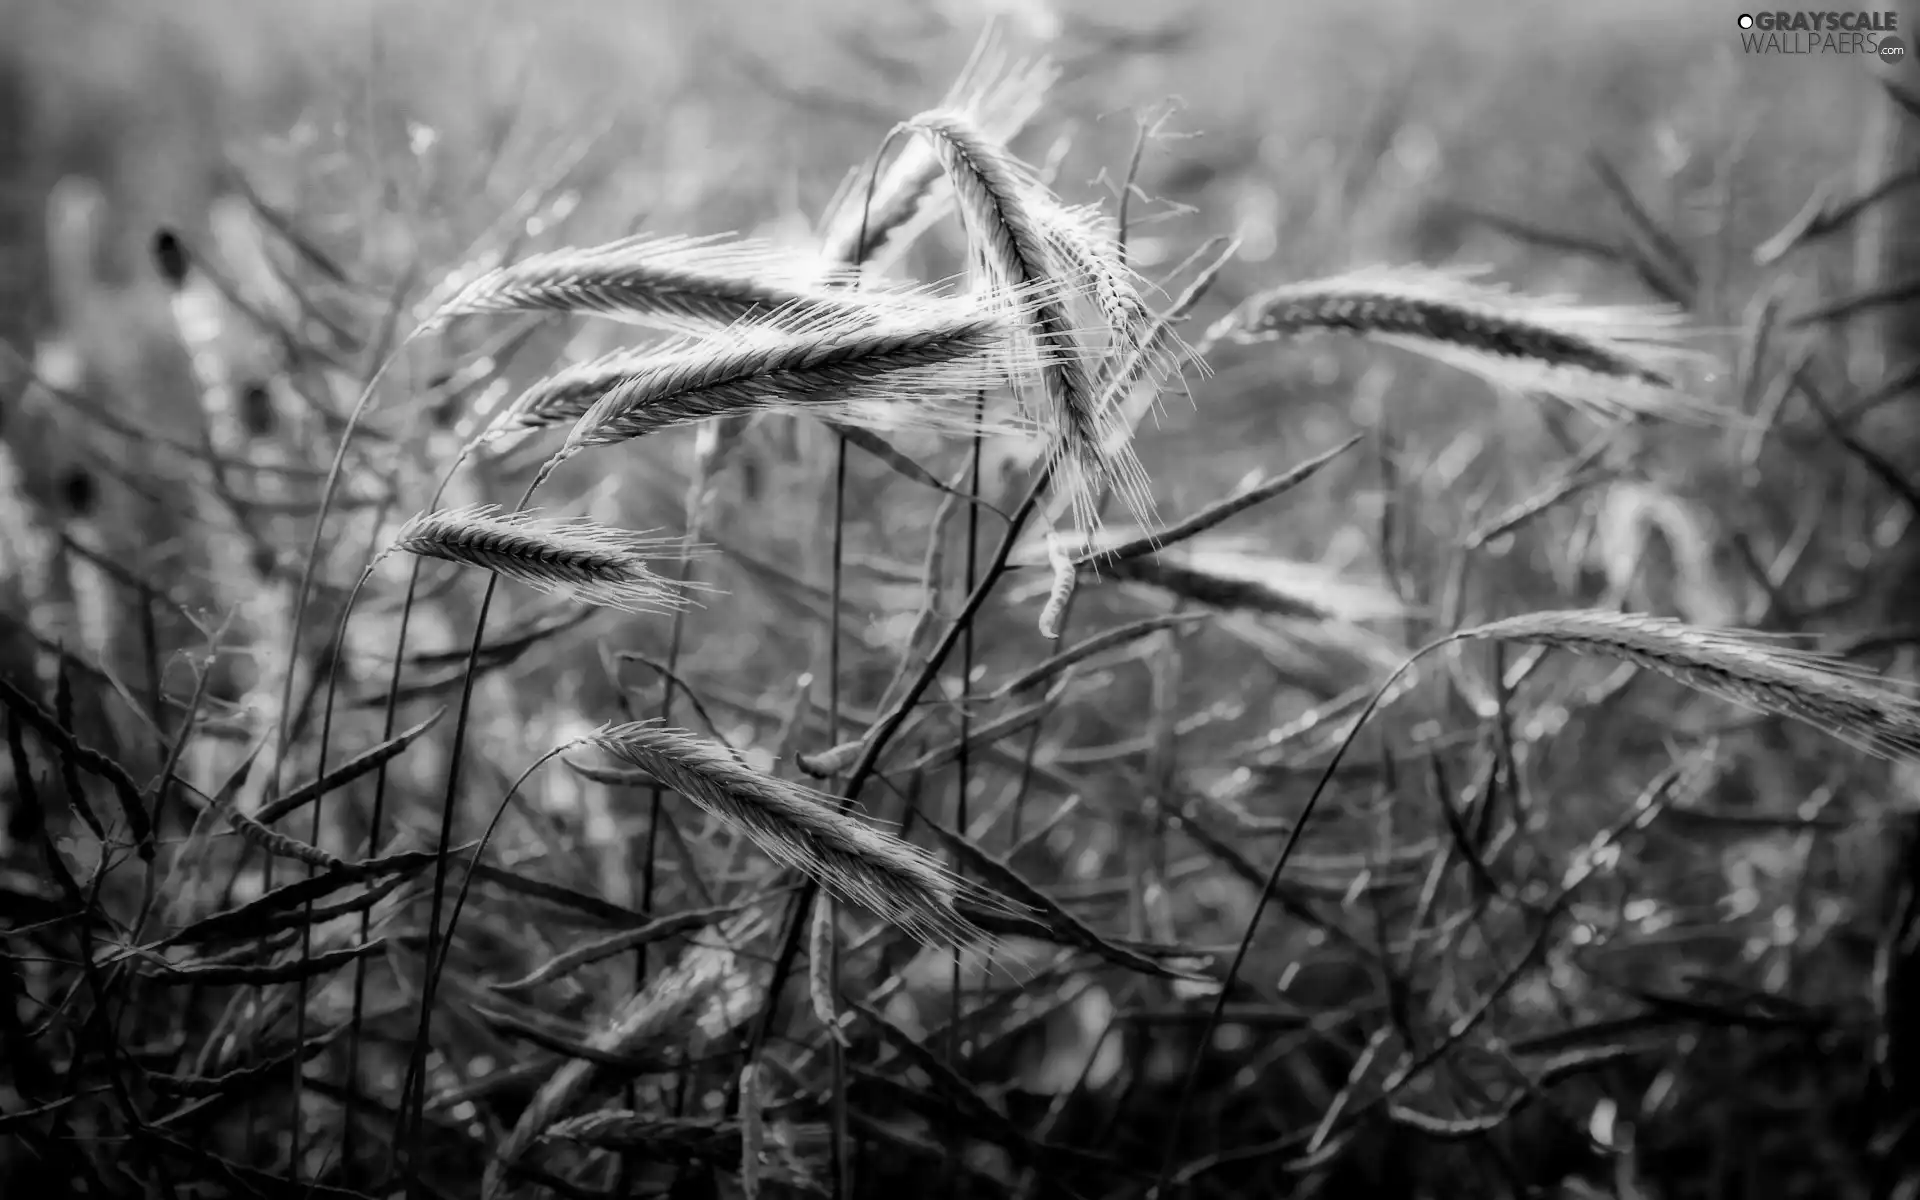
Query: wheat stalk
[
  {"x": 1747, "y": 669},
  {"x": 802, "y": 829},
  {"x": 1620, "y": 359},
  {"x": 593, "y": 563}
]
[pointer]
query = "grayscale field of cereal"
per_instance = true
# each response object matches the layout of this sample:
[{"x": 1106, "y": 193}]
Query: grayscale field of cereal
[{"x": 969, "y": 598}]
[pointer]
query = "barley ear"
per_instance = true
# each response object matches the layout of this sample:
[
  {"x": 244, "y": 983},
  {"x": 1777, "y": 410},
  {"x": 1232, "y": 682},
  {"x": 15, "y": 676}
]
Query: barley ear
[
  {"x": 806, "y": 831},
  {"x": 914, "y": 362},
  {"x": 1007, "y": 214},
  {"x": 1751, "y": 670},
  {"x": 874, "y": 219},
  {"x": 589, "y": 562},
  {"x": 1621, "y": 360}
]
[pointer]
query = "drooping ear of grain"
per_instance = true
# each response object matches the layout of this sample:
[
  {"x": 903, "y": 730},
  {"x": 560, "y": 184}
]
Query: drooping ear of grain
[
  {"x": 1007, "y": 212},
  {"x": 919, "y": 364},
  {"x": 675, "y": 283},
  {"x": 590, "y": 562},
  {"x": 801, "y": 829},
  {"x": 1085, "y": 244},
  {"x": 1747, "y": 669},
  {"x": 869, "y": 217},
  {"x": 1619, "y": 359}
]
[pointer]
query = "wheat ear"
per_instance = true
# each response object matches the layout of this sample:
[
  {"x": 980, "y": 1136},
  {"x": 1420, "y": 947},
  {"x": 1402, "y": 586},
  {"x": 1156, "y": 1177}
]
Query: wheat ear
[
  {"x": 677, "y": 283},
  {"x": 1620, "y": 359},
  {"x": 875, "y": 218},
  {"x": 1012, "y": 223},
  {"x": 919, "y": 366},
  {"x": 563, "y": 397},
  {"x": 1086, "y": 247},
  {"x": 802, "y": 829},
  {"x": 1748, "y": 669},
  {"x": 1000, "y": 96},
  {"x": 590, "y": 562}
]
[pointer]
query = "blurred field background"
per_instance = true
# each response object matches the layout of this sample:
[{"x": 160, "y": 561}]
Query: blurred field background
[{"x": 1721, "y": 1008}]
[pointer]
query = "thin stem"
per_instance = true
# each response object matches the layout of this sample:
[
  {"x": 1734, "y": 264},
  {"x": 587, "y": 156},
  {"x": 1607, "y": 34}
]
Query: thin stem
[
  {"x": 413, "y": 1090},
  {"x": 884, "y": 731},
  {"x": 284, "y": 733},
  {"x": 961, "y": 823},
  {"x": 377, "y": 817},
  {"x": 837, "y": 1059},
  {"x": 1294, "y": 835}
]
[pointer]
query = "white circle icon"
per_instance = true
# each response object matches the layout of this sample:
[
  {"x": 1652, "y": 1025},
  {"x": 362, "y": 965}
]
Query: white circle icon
[{"x": 1746, "y": 21}]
